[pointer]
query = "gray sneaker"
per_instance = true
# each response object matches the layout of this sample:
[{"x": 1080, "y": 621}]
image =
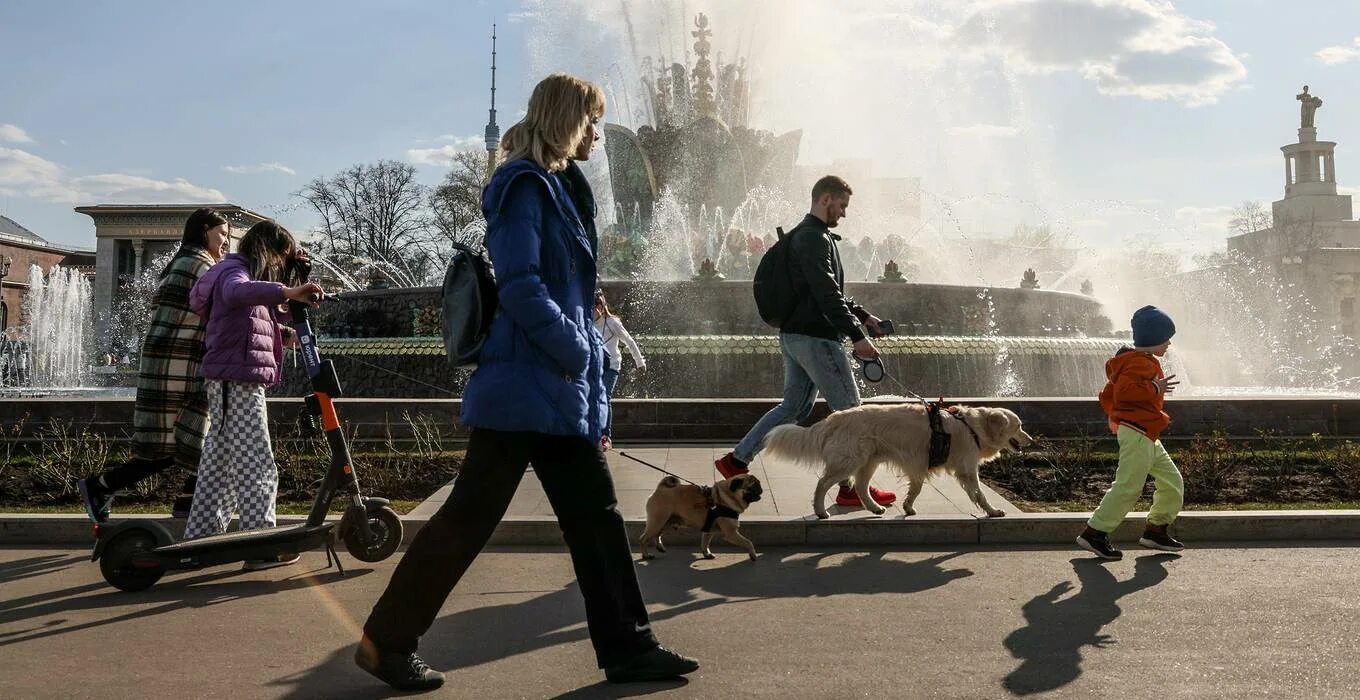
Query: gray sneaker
[{"x": 406, "y": 672}]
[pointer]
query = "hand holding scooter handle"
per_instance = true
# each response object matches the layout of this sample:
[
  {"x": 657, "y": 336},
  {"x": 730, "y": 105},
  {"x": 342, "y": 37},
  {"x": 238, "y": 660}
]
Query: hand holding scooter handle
[{"x": 309, "y": 293}]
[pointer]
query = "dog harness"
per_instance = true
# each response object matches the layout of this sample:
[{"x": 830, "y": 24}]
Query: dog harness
[
  {"x": 939, "y": 437},
  {"x": 715, "y": 510}
]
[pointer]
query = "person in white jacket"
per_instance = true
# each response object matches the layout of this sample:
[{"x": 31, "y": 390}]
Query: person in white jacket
[{"x": 612, "y": 331}]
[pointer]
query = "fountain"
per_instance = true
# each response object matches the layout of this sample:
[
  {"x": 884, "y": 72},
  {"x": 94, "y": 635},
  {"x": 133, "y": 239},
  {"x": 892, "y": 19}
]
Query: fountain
[
  {"x": 695, "y": 194},
  {"x": 691, "y": 192},
  {"x": 48, "y": 352}
]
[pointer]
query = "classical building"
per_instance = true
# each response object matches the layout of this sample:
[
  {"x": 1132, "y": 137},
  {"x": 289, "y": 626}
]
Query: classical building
[
  {"x": 20, "y": 249},
  {"x": 1314, "y": 239},
  {"x": 129, "y": 237}
]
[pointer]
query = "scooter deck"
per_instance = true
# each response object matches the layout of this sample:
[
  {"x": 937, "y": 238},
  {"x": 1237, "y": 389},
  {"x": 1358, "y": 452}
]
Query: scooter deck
[{"x": 266, "y": 537}]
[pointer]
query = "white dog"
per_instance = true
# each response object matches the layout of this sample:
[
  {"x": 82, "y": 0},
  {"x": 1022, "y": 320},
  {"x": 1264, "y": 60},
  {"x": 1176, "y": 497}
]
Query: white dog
[{"x": 851, "y": 444}]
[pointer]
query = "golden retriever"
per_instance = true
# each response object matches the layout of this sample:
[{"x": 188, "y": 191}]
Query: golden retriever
[{"x": 851, "y": 444}]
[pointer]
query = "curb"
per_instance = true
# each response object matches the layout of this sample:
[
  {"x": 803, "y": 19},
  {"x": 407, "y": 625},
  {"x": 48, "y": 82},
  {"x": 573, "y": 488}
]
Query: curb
[{"x": 1027, "y": 528}]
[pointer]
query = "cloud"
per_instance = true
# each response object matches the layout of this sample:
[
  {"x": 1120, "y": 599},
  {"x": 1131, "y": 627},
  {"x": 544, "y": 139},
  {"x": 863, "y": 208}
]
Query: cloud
[
  {"x": 983, "y": 130},
  {"x": 443, "y": 155},
  {"x": 133, "y": 188},
  {"x": 13, "y": 134},
  {"x": 1341, "y": 53},
  {"x": 260, "y": 168},
  {"x": 23, "y": 174},
  {"x": 1139, "y": 48}
]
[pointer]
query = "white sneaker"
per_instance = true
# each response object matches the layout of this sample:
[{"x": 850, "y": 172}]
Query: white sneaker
[{"x": 262, "y": 564}]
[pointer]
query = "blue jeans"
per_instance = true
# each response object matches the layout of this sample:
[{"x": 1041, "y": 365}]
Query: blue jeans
[
  {"x": 611, "y": 377},
  {"x": 810, "y": 365}
]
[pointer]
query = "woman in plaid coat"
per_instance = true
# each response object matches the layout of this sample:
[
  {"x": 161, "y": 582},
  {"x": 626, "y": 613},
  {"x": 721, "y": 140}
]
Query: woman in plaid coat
[{"x": 171, "y": 411}]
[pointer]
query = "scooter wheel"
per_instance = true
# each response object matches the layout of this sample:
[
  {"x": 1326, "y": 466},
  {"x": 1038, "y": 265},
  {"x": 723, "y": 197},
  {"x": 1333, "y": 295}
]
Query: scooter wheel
[
  {"x": 118, "y": 569},
  {"x": 386, "y": 527}
]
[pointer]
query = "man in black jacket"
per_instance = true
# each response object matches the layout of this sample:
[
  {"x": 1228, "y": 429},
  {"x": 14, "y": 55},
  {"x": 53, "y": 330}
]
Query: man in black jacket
[{"x": 812, "y": 338}]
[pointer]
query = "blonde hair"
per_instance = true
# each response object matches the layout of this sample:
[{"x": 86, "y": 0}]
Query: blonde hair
[{"x": 560, "y": 109}]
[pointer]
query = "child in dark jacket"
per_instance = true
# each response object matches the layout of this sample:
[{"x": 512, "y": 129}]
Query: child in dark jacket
[
  {"x": 243, "y": 353},
  {"x": 1132, "y": 398}
]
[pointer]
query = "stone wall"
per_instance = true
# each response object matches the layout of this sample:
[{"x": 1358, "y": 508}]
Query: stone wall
[
  {"x": 745, "y": 367},
  {"x": 705, "y": 339},
  {"x": 721, "y": 420},
  {"x": 728, "y": 308},
  {"x": 682, "y": 308}
]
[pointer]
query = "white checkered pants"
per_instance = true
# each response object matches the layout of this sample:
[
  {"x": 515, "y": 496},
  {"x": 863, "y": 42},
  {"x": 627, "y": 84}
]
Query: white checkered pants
[{"x": 237, "y": 469}]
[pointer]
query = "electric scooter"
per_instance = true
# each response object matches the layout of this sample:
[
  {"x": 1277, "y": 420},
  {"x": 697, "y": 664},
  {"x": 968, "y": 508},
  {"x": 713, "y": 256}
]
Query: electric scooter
[{"x": 134, "y": 554}]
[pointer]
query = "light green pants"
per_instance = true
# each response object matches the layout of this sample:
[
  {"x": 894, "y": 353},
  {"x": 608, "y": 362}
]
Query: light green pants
[{"x": 1139, "y": 457}]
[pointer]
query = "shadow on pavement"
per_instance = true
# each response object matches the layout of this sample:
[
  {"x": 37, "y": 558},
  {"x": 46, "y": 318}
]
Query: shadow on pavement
[
  {"x": 484, "y": 634},
  {"x": 605, "y": 689},
  {"x": 818, "y": 574},
  {"x": 1049, "y": 646},
  {"x": 20, "y": 569},
  {"x": 172, "y": 593}
]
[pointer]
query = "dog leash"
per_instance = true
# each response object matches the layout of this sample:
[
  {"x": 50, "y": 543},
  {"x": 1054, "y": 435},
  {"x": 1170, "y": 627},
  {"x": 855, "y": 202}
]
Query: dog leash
[
  {"x": 663, "y": 471},
  {"x": 884, "y": 374},
  {"x": 864, "y": 366}
]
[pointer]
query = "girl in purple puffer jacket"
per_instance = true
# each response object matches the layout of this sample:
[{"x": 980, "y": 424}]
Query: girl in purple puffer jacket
[{"x": 243, "y": 354}]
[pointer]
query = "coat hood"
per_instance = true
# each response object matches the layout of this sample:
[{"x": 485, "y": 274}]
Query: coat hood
[{"x": 1128, "y": 358}]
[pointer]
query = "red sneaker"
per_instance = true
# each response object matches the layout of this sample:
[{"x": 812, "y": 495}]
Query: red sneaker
[
  {"x": 606, "y": 443},
  {"x": 849, "y": 499},
  {"x": 729, "y": 467}
]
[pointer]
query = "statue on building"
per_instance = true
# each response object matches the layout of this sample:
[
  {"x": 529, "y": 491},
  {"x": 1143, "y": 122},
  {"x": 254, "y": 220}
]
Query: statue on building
[
  {"x": 698, "y": 143},
  {"x": 1030, "y": 280},
  {"x": 892, "y": 273},
  {"x": 703, "y": 68},
  {"x": 708, "y": 272},
  {"x": 1308, "y": 107},
  {"x": 1087, "y": 288}
]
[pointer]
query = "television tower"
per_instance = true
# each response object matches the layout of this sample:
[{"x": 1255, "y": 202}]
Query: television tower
[{"x": 493, "y": 132}]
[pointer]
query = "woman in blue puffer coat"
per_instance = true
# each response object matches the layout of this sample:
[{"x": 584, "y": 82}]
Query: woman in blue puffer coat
[{"x": 537, "y": 397}]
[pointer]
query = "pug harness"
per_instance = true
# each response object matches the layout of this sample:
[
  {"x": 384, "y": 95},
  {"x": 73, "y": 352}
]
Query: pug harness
[
  {"x": 710, "y": 500},
  {"x": 715, "y": 509}
]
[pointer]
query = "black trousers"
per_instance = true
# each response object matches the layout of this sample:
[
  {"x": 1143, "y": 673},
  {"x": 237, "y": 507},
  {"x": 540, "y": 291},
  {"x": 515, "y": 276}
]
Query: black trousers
[
  {"x": 576, "y": 479},
  {"x": 133, "y": 471}
]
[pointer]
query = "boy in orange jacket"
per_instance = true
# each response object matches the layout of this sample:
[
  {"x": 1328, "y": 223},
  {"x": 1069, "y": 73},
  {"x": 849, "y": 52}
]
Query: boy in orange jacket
[{"x": 1132, "y": 398}]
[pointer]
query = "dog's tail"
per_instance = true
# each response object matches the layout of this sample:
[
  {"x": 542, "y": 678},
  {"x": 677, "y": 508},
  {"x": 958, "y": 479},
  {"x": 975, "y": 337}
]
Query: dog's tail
[{"x": 796, "y": 443}]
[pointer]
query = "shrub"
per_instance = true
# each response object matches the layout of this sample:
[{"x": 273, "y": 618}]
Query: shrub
[{"x": 1208, "y": 465}]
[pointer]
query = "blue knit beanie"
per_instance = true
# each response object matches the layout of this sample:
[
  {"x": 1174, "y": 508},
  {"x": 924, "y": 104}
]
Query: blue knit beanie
[{"x": 1151, "y": 327}]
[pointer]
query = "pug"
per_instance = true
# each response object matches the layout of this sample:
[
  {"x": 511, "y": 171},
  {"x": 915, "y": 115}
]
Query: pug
[{"x": 704, "y": 508}]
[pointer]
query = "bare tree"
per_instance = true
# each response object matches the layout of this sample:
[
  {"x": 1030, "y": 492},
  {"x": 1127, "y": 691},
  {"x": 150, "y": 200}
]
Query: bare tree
[
  {"x": 1249, "y": 217},
  {"x": 375, "y": 212},
  {"x": 456, "y": 203}
]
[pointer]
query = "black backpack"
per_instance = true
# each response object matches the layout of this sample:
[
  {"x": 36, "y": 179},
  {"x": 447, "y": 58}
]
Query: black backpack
[
  {"x": 470, "y": 301},
  {"x": 773, "y": 282}
]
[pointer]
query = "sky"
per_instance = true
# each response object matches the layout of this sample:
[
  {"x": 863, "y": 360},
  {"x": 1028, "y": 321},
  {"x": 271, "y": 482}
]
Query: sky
[{"x": 1110, "y": 119}]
